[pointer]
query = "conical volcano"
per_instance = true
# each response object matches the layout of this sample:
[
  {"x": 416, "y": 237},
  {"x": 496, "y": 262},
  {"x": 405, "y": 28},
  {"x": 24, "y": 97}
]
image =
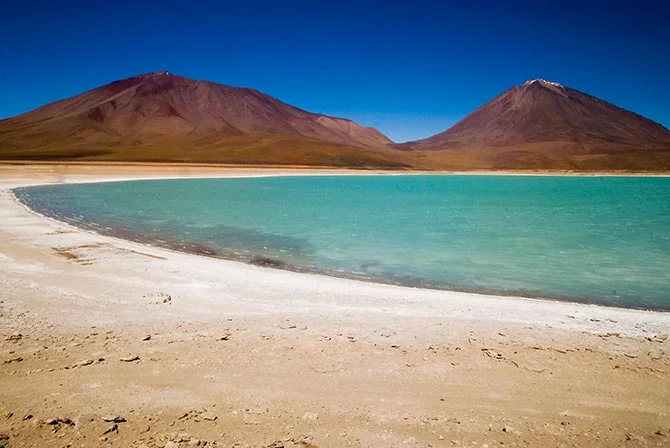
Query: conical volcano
[{"x": 543, "y": 124}]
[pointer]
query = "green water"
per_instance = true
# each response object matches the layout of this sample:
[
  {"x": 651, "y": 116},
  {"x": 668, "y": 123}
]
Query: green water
[{"x": 590, "y": 239}]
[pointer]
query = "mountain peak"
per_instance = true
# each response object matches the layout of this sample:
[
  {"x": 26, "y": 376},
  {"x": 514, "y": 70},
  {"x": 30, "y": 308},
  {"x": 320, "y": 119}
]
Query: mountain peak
[
  {"x": 160, "y": 110},
  {"x": 544, "y": 124},
  {"x": 159, "y": 74},
  {"x": 542, "y": 82}
]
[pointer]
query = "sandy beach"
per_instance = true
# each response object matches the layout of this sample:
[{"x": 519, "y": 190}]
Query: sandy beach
[{"x": 107, "y": 342}]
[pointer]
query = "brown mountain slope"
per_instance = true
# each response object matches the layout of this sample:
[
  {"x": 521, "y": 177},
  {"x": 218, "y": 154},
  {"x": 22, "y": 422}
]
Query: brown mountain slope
[
  {"x": 545, "y": 125},
  {"x": 160, "y": 116}
]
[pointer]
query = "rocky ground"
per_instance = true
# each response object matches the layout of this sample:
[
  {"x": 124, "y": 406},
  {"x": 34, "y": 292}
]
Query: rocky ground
[{"x": 284, "y": 381}]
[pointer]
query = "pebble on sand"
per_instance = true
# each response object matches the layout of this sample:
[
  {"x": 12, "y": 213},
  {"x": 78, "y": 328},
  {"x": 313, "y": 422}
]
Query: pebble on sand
[{"x": 209, "y": 416}]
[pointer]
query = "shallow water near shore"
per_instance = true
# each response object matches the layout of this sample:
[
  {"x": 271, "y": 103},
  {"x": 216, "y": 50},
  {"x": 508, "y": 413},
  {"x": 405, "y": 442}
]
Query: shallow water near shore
[{"x": 602, "y": 240}]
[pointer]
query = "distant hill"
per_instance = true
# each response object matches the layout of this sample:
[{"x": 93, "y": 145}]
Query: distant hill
[
  {"x": 543, "y": 124},
  {"x": 160, "y": 117}
]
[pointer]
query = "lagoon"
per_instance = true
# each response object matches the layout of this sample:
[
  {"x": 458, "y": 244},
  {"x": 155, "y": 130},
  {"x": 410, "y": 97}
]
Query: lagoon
[{"x": 603, "y": 240}]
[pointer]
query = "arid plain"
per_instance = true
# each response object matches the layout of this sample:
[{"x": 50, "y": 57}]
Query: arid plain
[{"x": 111, "y": 343}]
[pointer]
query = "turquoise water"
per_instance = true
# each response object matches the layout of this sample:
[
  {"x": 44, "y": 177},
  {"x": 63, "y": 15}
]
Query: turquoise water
[{"x": 590, "y": 239}]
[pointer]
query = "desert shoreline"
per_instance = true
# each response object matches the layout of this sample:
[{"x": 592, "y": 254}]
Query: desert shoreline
[
  {"x": 473, "y": 294},
  {"x": 326, "y": 170},
  {"x": 394, "y": 357},
  {"x": 246, "y": 172}
]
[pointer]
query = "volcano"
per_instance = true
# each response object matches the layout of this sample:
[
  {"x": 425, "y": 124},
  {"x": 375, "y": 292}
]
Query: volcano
[
  {"x": 161, "y": 117},
  {"x": 545, "y": 125},
  {"x": 164, "y": 117}
]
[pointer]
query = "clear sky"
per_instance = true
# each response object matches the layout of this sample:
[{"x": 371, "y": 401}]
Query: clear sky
[{"x": 410, "y": 68}]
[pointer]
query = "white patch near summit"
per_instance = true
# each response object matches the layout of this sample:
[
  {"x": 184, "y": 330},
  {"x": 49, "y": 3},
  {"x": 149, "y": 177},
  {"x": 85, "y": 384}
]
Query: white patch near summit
[{"x": 542, "y": 81}]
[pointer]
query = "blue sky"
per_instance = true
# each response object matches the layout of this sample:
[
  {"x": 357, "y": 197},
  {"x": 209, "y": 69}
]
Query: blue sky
[{"x": 409, "y": 68}]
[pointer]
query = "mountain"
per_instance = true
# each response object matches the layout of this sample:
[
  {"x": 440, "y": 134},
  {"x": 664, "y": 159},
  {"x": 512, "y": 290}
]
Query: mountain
[
  {"x": 545, "y": 125},
  {"x": 159, "y": 117},
  {"x": 163, "y": 117}
]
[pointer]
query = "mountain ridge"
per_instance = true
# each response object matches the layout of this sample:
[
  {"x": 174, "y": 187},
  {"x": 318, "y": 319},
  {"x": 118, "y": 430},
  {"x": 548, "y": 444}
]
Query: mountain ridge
[
  {"x": 161, "y": 117},
  {"x": 254, "y": 109}
]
